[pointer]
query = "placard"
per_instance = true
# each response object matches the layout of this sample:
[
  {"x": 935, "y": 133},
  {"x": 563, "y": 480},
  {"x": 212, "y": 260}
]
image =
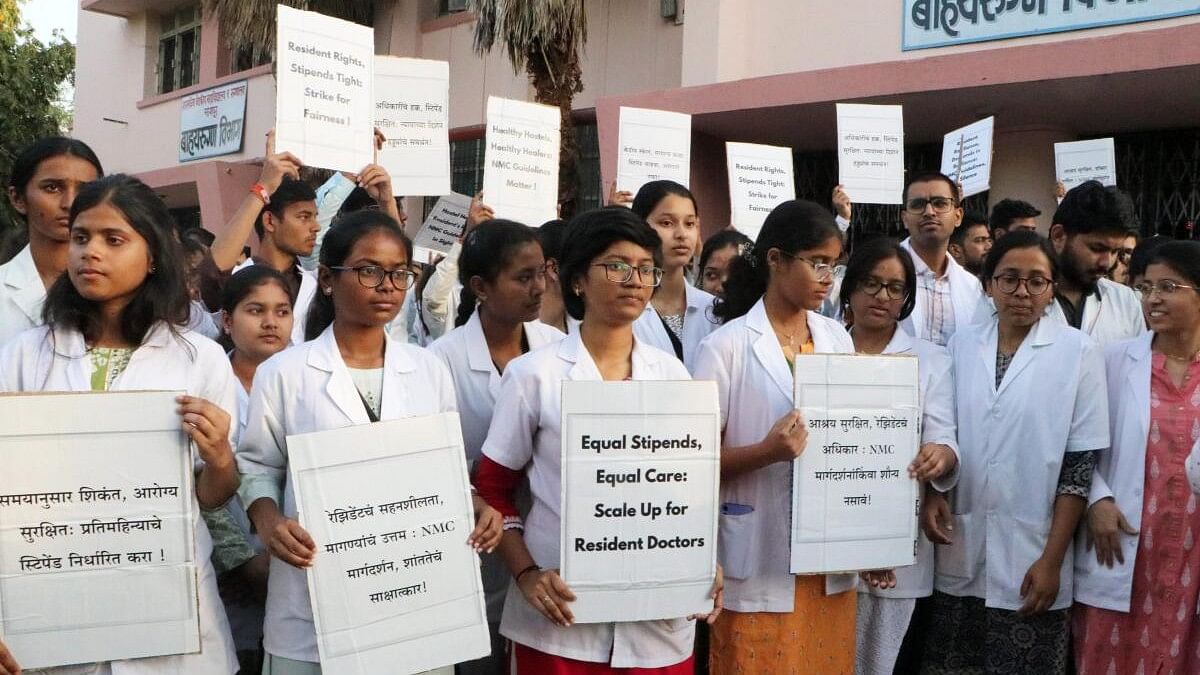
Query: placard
[
  {"x": 210, "y": 121},
  {"x": 520, "y": 172},
  {"x": 871, "y": 152},
  {"x": 97, "y": 555},
  {"x": 412, "y": 109},
  {"x": 653, "y": 145},
  {"x": 640, "y": 473},
  {"x": 760, "y": 178},
  {"x": 967, "y": 156},
  {"x": 324, "y": 105},
  {"x": 395, "y": 587},
  {"x": 854, "y": 506},
  {"x": 445, "y": 224},
  {"x": 1081, "y": 161}
]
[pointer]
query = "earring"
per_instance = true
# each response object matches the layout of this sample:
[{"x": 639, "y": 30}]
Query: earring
[
  {"x": 328, "y": 291},
  {"x": 151, "y": 270},
  {"x": 482, "y": 299}
]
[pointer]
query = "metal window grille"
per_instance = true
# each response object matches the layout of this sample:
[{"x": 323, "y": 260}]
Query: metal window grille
[{"x": 179, "y": 50}]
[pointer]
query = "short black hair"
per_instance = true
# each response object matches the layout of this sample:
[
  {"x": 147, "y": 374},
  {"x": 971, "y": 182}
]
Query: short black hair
[
  {"x": 1143, "y": 252},
  {"x": 550, "y": 236},
  {"x": 724, "y": 239},
  {"x": 1181, "y": 256},
  {"x": 929, "y": 177},
  {"x": 1006, "y": 211},
  {"x": 1015, "y": 240},
  {"x": 971, "y": 218},
  {"x": 289, "y": 192},
  {"x": 591, "y": 233},
  {"x": 1091, "y": 207},
  {"x": 864, "y": 259}
]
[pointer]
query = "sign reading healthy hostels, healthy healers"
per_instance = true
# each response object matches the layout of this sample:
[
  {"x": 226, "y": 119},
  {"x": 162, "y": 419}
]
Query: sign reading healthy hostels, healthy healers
[
  {"x": 412, "y": 103},
  {"x": 760, "y": 178},
  {"x": 324, "y": 106},
  {"x": 640, "y": 471},
  {"x": 520, "y": 170}
]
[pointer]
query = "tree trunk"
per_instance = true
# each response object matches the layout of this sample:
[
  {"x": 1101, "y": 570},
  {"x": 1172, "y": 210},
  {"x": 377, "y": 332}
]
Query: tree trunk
[{"x": 556, "y": 78}]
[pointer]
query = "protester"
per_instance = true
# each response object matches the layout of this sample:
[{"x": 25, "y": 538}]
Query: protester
[
  {"x": 439, "y": 298},
  {"x": 1120, "y": 270},
  {"x": 1009, "y": 215},
  {"x": 1032, "y": 414},
  {"x": 1139, "y": 260},
  {"x": 44, "y": 179},
  {"x": 970, "y": 242},
  {"x": 609, "y": 268},
  {"x": 774, "y": 621},
  {"x": 554, "y": 311},
  {"x": 116, "y": 321},
  {"x": 718, "y": 251}
]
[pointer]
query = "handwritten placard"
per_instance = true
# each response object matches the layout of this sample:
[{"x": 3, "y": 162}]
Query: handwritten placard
[
  {"x": 653, "y": 145},
  {"x": 760, "y": 178},
  {"x": 394, "y": 586},
  {"x": 871, "y": 152},
  {"x": 1081, "y": 161},
  {"x": 967, "y": 156},
  {"x": 853, "y": 503},
  {"x": 96, "y": 528},
  {"x": 639, "y": 503},
  {"x": 444, "y": 225},
  {"x": 412, "y": 110},
  {"x": 520, "y": 173}
]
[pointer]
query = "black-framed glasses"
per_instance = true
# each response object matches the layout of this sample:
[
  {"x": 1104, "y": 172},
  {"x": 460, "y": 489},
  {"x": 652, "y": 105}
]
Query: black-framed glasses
[
  {"x": 916, "y": 205},
  {"x": 823, "y": 271},
  {"x": 620, "y": 273},
  {"x": 1009, "y": 283},
  {"x": 1164, "y": 287},
  {"x": 895, "y": 290},
  {"x": 372, "y": 276}
]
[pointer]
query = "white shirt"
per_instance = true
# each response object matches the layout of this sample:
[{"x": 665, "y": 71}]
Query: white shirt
[
  {"x": 439, "y": 300},
  {"x": 43, "y": 360},
  {"x": 1113, "y": 317},
  {"x": 943, "y": 304},
  {"x": 303, "y": 389},
  {"x": 465, "y": 352},
  {"x": 21, "y": 295},
  {"x": 698, "y": 322},
  {"x": 755, "y": 387},
  {"x": 304, "y": 298},
  {"x": 526, "y": 433},
  {"x": 1012, "y": 440}
]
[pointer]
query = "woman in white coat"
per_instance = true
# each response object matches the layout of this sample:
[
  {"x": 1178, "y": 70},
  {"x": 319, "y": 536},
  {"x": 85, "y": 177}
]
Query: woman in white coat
[
  {"x": 348, "y": 372},
  {"x": 1032, "y": 416},
  {"x": 877, "y": 292},
  {"x": 777, "y": 622},
  {"x": 117, "y": 321},
  {"x": 503, "y": 277},
  {"x": 679, "y": 315},
  {"x": 1137, "y": 573},
  {"x": 608, "y": 270}
]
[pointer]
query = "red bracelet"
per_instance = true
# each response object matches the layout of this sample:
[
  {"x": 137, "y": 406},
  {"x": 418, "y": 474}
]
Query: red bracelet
[{"x": 259, "y": 190}]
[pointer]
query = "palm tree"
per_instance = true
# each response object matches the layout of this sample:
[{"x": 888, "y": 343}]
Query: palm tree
[
  {"x": 545, "y": 38},
  {"x": 249, "y": 25}
]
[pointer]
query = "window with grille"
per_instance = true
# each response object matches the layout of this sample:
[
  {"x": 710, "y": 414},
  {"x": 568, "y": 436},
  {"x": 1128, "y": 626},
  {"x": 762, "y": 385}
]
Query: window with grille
[{"x": 179, "y": 50}]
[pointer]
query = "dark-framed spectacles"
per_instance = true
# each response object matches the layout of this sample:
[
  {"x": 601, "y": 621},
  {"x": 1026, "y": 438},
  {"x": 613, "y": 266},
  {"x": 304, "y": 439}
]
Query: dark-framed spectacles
[
  {"x": 895, "y": 290},
  {"x": 1009, "y": 283},
  {"x": 823, "y": 271},
  {"x": 916, "y": 205},
  {"x": 372, "y": 276},
  {"x": 621, "y": 273}
]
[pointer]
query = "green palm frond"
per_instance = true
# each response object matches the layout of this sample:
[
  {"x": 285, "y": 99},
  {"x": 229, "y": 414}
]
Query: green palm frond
[
  {"x": 525, "y": 27},
  {"x": 250, "y": 24}
]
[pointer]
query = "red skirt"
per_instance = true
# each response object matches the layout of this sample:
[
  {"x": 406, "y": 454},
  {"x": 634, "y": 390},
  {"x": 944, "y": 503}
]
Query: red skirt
[{"x": 529, "y": 661}]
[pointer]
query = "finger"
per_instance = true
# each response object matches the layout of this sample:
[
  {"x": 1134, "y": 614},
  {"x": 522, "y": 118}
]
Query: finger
[
  {"x": 561, "y": 588},
  {"x": 1125, "y": 526},
  {"x": 553, "y": 611},
  {"x": 270, "y": 142},
  {"x": 281, "y": 551},
  {"x": 301, "y": 535}
]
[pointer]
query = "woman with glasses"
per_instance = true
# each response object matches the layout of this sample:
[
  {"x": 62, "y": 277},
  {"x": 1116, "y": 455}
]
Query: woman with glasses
[
  {"x": 876, "y": 294},
  {"x": 779, "y": 622},
  {"x": 1032, "y": 415},
  {"x": 348, "y": 372},
  {"x": 609, "y": 268},
  {"x": 503, "y": 277},
  {"x": 1137, "y": 581}
]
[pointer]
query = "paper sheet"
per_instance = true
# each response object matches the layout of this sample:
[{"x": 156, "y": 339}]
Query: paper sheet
[
  {"x": 871, "y": 152},
  {"x": 967, "y": 156},
  {"x": 1081, "y": 161},
  {"x": 520, "y": 173},
  {"x": 444, "y": 225},
  {"x": 760, "y": 178},
  {"x": 412, "y": 109},
  {"x": 653, "y": 145}
]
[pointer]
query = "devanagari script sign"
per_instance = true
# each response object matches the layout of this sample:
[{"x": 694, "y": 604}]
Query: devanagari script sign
[
  {"x": 412, "y": 109},
  {"x": 853, "y": 505},
  {"x": 96, "y": 528},
  {"x": 967, "y": 156},
  {"x": 394, "y": 586},
  {"x": 1081, "y": 161},
  {"x": 871, "y": 152},
  {"x": 211, "y": 121},
  {"x": 653, "y": 145}
]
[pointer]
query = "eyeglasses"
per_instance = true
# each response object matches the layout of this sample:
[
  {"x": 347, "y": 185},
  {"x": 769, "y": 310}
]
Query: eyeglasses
[
  {"x": 372, "y": 276},
  {"x": 823, "y": 271},
  {"x": 1009, "y": 283},
  {"x": 621, "y": 273},
  {"x": 894, "y": 291},
  {"x": 917, "y": 205},
  {"x": 1164, "y": 287}
]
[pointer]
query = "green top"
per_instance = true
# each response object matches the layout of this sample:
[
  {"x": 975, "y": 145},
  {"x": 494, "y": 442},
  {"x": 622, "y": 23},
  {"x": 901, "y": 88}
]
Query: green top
[{"x": 107, "y": 364}]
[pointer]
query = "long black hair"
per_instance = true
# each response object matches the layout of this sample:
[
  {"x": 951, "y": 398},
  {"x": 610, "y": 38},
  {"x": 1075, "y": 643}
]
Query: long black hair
[
  {"x": 591, "y": 233},
  {"x": 864, "y": 259},
  {"x": 25, "y": 166},
  {"x": 161, "y": 297},
  {"x": 650, "y": 194},
  {"x": 792, "y": 226},
  {"x": 343, "y": 234},
  {"x": 485, "y": 253},
  {"x": 242, "y": 284}
]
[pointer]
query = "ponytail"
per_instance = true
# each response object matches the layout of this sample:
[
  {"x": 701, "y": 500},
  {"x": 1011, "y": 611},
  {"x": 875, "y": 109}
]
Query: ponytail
[{"x": 485, "y": 253}]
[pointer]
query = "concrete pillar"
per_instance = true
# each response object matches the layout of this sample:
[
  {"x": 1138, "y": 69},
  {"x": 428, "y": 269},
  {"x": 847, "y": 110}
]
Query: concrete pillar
[{"x": 1023, "y": 167}]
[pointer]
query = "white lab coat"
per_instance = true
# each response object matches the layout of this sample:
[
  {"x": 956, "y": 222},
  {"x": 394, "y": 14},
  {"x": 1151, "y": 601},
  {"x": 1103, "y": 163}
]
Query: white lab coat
[
  {"x": 40, "y": 359},
  {"x": 526, "y": 435},
  {"x": 21, "y": 295},
  {"x": 755, "y": 387},
  {"x": 965, "y": 295},
  {"x": 304, "y": 298},
  {"x": 698, "y": 322},
  {"x": 300, "y": 390},
  {"x": 1115, "y": 317},
  {"x": 1012, "y": 441},
  {"x": 439, "y": 300}
]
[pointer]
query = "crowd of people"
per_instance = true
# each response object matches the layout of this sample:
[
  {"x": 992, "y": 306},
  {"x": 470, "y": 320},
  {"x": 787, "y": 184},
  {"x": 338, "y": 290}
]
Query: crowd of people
[{"x": 1059, "y": 381}]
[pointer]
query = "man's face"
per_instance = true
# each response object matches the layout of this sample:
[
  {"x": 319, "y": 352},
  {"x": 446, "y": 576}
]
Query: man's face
[
  {"x": 975, "y": 247},
  {"x": 931, "y": 212},
  {"x": 1023, "y": 224},
  {"x": 296, "y": 231},
  {"x": 1087, "y": 257}
]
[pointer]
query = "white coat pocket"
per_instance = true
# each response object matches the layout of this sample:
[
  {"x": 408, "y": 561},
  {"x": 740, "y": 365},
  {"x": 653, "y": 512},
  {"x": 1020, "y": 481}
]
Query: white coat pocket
[
  {"x": 961, "y": 559},
  {"x": 735, "y": 540}
]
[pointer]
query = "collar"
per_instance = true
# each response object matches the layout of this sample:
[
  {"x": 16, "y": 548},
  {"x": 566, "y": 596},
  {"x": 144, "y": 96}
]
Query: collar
[
  {"x": 22, "y": 271},
  {"x": 923, "y": 269},
  {"x": 901, "y": 342},
  {"x": 572, "y": 350},
  {"x": 324, "y": 355}
]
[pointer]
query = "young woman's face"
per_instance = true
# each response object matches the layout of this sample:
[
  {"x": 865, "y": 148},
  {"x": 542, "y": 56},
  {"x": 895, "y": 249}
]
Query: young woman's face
[
  {"x": 356, "y": 304},
  {"x": 1021, "y": 308},
  {"x": 515, "y": 295},
  {"x": 46, "y": 200},
  {"x": 615, "y": 302},
  {"x": 261, "y": 323},
  {"x": 795, "y": 275},
  {"x": 1178, "y": 311},
  {"x": 879, "y": 311},
  {"x": 674, "y": 218},
  {"x": 107, "y": 259},
  {"x": 716, "y": 270}
]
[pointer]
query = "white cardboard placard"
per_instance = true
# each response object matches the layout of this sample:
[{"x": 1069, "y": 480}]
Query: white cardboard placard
[
  {"x": 412, "y": 109},
  {"x": 871, "y": 152},
  {"x": 520, "y": 173},
  {"x": 760, "y": 178},
  {"x": 1081, "y": 161},
  {"x": 967, "y": 156},
  {"x": 653, "y": 145},
  {"x": 444, "y": 225}
]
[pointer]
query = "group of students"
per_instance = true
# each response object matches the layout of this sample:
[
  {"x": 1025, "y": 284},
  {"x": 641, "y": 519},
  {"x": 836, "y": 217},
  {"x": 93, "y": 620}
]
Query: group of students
[{"x": 1059, "y": 410}]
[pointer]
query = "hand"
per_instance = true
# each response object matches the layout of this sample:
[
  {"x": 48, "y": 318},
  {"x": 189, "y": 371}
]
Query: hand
[
  {"x": 936, "y": 520},
  {"x": 489, "y": 527},
  {"x": 616, "y": 196},
  {"x": 380, "y": 139},
  {"x": 787, "y": 438},
  {"x": 933, "y": 460},
  {"x": 278, "y": 165},
  {"x": 208, "y": 427},
  {"x": 841, "y": 202},
  {"x": 1060, "y": 191},
  {"x": 958, "y": 188},
  {"x": 285, "y": 539},
  {"x": 8, "y": 664},
  {"x": 1105, "y": 523},
  {"x": 882, "y": 579},
  {"x": 1039, "y": 588},
  {"x": 478, "y": 213},
  {"x": 549, "y": 594},
  {"x": 377, "y": 182},
  {"x": 718, "y": 596}
]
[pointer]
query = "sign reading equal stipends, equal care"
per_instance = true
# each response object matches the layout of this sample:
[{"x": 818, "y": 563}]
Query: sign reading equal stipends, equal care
[
  {"x": 854, "y": 507},
  {"x": 640, "y": 472}
]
